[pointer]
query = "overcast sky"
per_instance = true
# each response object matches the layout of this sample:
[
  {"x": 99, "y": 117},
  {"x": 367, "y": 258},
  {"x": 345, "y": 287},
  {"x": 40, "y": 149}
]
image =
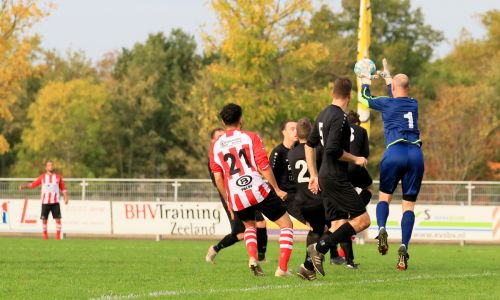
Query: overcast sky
[{"x": 100, "y": 26}]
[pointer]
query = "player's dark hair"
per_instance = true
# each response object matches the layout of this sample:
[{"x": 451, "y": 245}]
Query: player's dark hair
[
  {"x": 342, "y": 88},
  {"x": 212, "y": 133},
  {"x": 283, "y": 125},
  {"x": 231, "y": 114},
  {"x": 304, "y": 128},
  {"x": 353, "y": 118}
]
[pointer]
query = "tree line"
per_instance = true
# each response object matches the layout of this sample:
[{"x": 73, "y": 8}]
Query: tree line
[{"x": 147, "y": 111}]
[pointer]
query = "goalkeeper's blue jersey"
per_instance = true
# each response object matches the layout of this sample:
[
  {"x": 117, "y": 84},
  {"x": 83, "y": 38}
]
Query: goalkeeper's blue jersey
[{"x": 400, "y": 116}]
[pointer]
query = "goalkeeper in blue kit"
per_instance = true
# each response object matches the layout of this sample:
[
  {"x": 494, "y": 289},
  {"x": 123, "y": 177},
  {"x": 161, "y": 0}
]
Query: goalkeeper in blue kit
[{"x": 403, "y": 159}]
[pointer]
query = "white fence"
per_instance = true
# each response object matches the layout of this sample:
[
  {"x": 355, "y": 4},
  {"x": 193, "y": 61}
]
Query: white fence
[{"x": 202, "y": 190}]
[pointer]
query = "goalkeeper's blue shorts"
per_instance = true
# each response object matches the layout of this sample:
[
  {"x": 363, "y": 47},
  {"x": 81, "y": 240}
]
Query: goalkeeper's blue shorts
[{"x": 402, "y": 162}]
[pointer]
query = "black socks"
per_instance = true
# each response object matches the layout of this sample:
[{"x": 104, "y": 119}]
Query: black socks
[
  {"x": 227, "y": 241},
  {"x": 261, "y": 241},
  {"x": 342, "y": 234}
]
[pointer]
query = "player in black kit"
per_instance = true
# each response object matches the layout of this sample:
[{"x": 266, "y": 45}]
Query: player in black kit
[
  {"x": 359, "y": 178},
  {"x": 281, "y": 168},
  {"x": 237, "y": 227},
  {"x": 309, "y": 206},
  {"x": 344, "y": 208},
  {"x": 357, "y": 175}
]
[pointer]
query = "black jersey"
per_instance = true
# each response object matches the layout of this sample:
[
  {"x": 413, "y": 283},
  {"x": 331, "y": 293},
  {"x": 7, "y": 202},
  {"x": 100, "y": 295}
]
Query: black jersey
[
  {"x": 331, "y": 130},
  {"x": 281, "y": 168},
  {"x": 359, "y": 141},
  {"x": 297, "y": 159}
]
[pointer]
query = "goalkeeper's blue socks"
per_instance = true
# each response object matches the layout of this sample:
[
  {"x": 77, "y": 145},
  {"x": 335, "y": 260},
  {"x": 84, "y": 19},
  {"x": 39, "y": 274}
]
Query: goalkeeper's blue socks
[
  {"x": 407, "y": 222},
  {"x": 382, "y": 213}
]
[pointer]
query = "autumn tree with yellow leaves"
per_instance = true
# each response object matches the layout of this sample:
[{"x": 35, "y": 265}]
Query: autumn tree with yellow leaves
[
  {"x": 16, "y": 48},
  {"x": 259, "y": 65}
]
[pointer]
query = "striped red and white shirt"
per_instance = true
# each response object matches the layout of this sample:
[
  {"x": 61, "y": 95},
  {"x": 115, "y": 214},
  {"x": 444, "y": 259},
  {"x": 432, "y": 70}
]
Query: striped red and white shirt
[
  {"x": 52, "y": 186},
  {"x": 238, "y": 155}
]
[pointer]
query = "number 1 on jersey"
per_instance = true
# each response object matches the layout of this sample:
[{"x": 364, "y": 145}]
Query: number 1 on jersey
[{"x": 409, "y": 116}]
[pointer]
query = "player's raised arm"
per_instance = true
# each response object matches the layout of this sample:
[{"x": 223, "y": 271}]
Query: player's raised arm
[
  {"x": 367, "y": 98},
  {"x": 386, "y": 74}
]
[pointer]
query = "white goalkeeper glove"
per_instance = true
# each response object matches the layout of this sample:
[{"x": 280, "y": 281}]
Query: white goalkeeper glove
[
  {"x": 367, "y": 79},
  {"x": 385, "y": 73},
  {"x": 365, "y": 75}
]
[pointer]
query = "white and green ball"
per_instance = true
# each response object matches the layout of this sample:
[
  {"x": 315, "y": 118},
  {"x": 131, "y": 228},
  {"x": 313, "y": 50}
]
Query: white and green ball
[{"x": 365, "y": 66}]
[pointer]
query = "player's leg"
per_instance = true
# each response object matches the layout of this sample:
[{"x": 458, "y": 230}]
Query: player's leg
[
  {"x": 236, "y": 235},
  {"x": 346, "y": 200},
  {"x": 56, "y": 215},
  {"x": 261, "y": 236},
  {"x": 247, "y": 216},
  {"x": 275, "y": 210},
  {"x": 315, "y": 218},
  {"x": 337, "y": 259},
  {"x": 360, "y": 178},
  {"x": 411, "y": 183},
  {"x": 286, "y": 244},
  {"x": 392, "y": 166},
  {"x": 366, "y": 185},
  {"x": 250, "y": 237},
  {"x": 334, "y": 226},
  {"x": 44, "y": 217},
  {"x": 237, "y": 230},
  {"x": 336, "y": 256}
]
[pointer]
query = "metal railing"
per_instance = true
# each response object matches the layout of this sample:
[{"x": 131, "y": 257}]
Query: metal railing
[{"x": 432, "y": 192}]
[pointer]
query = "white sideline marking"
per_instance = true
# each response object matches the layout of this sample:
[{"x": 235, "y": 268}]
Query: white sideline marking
[{"x": 156, "y": 294}]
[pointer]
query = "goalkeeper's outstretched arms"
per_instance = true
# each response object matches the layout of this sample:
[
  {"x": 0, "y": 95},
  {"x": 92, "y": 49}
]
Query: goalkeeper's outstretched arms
[{"x": 367, "y": 98}]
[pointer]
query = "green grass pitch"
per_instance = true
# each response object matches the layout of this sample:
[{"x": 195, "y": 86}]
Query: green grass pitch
[{"x": 140, "y": 269}]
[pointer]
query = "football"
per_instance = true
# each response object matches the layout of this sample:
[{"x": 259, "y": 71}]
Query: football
[{"x": 364, "y": 66}]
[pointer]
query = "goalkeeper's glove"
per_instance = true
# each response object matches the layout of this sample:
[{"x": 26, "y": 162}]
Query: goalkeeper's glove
[
  {"x": 385, "y": 73},
  {"x": 367, "y": 79},
  {"x": 365, "y": 76}
]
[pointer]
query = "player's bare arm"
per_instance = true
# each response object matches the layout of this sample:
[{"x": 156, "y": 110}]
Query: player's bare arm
[
  {"x": 311, "y": 167},
  {"x": 24, "y": 186},
  {"x": 219, "y": 182},
  {"x": 66, "y": 200},
  {"x": 358, "y": 160},
  {"x": 269, "y": 176}
]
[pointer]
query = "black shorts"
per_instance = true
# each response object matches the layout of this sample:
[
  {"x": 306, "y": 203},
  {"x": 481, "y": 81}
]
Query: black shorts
[
  {"x": 272, "y": 207},
  {"x": 315, "y": 216},
  {"x": 340, "y": 199},
  {"x": 293, "y": 208},
  {"x": 359, "y": 177},
  {"x": 237, "y": 226},
  {"x": 54, "y": 208}
]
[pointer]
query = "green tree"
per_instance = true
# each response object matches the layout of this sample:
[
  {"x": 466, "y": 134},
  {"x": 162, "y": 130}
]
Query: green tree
[
  {"x": 67, "y": 121},
  {"x": 463, "y": 114},
  {"x": 146, "y": 82},
  {"x": 399, "y": 33},
  {"x": 50, "y": 67},
  {"x": 260, "y": 66}
]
